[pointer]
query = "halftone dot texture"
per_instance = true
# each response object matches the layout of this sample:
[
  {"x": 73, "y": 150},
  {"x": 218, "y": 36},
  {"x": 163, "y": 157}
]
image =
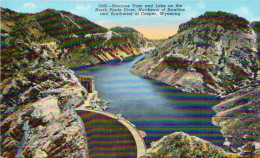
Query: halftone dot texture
[{"x": 106, "y": 137}]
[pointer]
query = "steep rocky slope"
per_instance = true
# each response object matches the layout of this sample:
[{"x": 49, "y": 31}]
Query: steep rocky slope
[
  {"x": 180, "y": 145},
  {"x": 38, "y": 93},
  {"x": 38, "y": 97},
  {"x": 77, "y": 40},
  {"x": 116, "y": 44},
  {"x": 238, "y": 116},
  {"x": 215, "y": 53}
]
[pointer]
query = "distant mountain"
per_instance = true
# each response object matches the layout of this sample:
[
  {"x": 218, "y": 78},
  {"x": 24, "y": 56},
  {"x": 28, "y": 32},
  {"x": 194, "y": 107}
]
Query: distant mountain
[
  {"x": 73, "y": 40},
  {"x": 214, "y": 53}
]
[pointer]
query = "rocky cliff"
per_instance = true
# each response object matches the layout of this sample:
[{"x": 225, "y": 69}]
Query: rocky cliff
[
  {"x": 214, "y": 53},
  {"x": 73, "y": 40},
  {"x": 38, "y": 97},
  {"x": 238, "y": 116},
  {"x": 180, "y": 145},
  {"x": 38, "y": 93}
]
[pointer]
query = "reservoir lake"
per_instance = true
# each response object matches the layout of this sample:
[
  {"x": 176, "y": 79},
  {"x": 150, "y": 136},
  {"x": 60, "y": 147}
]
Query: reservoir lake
[{"x": 153, "y": 106}]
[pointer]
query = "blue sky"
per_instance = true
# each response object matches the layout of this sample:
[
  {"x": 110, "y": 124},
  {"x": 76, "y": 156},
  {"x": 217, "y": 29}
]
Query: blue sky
[{"x": 151, "y": 27}]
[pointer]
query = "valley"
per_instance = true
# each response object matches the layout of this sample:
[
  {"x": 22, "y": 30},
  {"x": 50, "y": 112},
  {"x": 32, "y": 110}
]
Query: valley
[
  {"x": 194, "y": 94},
  {"x": 162, "y": 109}
]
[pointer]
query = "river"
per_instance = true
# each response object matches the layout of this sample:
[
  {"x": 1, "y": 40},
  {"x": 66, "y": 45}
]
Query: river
[{"x": 154, "y": 107}]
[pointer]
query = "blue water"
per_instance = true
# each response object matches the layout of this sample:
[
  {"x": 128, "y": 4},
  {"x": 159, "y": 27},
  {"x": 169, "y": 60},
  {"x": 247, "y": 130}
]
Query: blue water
[{"x": 154, "y": 107}]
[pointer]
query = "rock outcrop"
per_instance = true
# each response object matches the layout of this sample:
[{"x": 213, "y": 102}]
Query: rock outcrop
[
  {"x": 179, "y": 145},
  {"x": 71, "y": 39},
  {"x": 38, "y": 97},
  {"x": 238, "y": 116},
  {"x": 38, "y": 93},
  {"x": 215, "y": 53}
]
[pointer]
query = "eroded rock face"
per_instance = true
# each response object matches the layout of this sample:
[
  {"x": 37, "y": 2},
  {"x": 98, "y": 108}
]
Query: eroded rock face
[
  {"x": 70, "y": 99},
  {"x": 179, "y": 144},
  {"x": 206, "y": 56},
  {"x": 238, "y": 116},
  {"x": 37, "y": 110},
  {"x": 72, "y": 40},
  {"x": 59, "y": 136}
]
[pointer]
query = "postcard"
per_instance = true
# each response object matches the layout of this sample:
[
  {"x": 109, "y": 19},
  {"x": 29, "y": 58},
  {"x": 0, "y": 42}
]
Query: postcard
[{"x": 128, "y": 79}]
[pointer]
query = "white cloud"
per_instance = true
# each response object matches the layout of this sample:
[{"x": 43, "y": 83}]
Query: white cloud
[
  {"x": 29, "y": 6},
  {"x": 190, "y": 13},
  {"x": 81, "y": 9},
  {"x": 243, "y": 11},
  {"x": 246, "y": 13},
  {"x": 201, "y": 5},
  {"x": 255, "y": 19}
]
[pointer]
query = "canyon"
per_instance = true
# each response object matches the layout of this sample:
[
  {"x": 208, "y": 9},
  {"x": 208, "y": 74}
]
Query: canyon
[
  {"x": 215, "y": 53},
  {"x": 72, "y": 40},
  {"x": 40, "y": 94}
]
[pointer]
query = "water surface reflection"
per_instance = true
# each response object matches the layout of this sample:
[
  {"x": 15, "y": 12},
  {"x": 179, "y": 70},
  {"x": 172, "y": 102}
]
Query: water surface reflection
[{"x": 153, "y": 106}]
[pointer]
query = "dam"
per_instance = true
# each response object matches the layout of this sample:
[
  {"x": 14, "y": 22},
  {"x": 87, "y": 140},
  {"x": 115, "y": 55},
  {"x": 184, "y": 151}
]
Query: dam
[{"x": 110, "y": 136}]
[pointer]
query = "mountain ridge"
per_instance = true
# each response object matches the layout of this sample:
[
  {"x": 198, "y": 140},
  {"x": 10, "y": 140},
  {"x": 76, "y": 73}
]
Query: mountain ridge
[
  {"x": 78, "y": 41},
  {"x": 217, "y": 55},
  {"x": 31, "y": 65}
]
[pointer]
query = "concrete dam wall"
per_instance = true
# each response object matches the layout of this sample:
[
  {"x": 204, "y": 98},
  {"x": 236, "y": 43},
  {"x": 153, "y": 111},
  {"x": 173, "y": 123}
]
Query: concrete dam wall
[{"x": 107, "y": 137}]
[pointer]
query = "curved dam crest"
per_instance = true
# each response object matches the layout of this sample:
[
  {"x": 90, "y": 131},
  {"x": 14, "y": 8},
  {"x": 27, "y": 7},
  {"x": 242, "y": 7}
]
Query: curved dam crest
[{"x": 110, "y": 137}]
